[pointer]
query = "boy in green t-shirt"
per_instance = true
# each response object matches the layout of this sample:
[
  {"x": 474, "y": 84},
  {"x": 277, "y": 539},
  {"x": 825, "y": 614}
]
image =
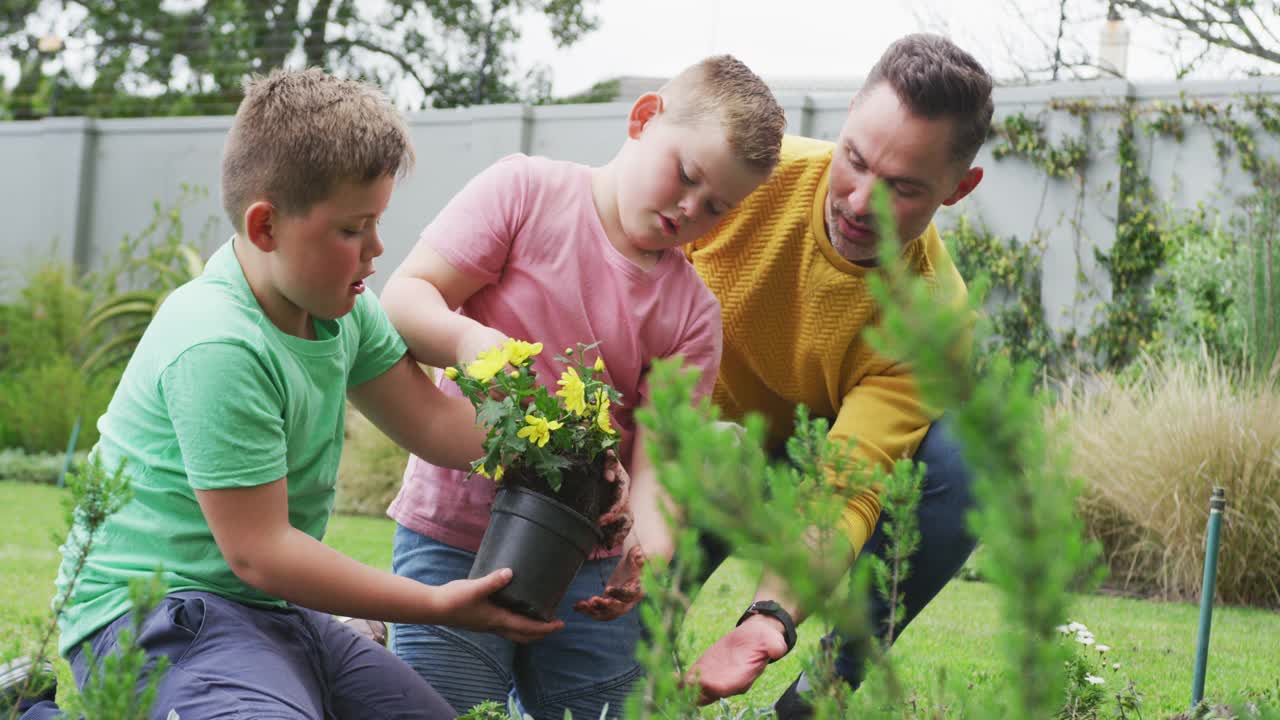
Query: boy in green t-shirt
[{"x": 229, "y": 419}]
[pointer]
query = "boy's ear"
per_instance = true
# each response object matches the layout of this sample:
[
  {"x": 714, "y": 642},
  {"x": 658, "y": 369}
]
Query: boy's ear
[
  {"x": 260, "y": 225},
  {"x": 646, "y": 107}
]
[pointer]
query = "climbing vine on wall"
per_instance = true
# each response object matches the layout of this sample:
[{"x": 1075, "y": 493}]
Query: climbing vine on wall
[
  {"x": 1127, "y": 321},
  {"x": 1019, "y": 330}
]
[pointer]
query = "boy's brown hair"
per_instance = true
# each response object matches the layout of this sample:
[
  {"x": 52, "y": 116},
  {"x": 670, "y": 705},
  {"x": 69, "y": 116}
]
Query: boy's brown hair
[
  {"x": 934, "y": 78},
  {"x": 299, "y": 134},
  {"x": 722, "y": 87}
]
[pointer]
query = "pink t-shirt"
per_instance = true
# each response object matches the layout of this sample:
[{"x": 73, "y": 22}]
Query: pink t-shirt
[{"x": 528, "y": 227}]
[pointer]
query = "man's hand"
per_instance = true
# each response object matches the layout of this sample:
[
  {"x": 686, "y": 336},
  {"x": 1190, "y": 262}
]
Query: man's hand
[
  {"x": 732, "y": 664},
  {"x": 615, "y": 521},
  {"x": 465, "y": 604},
  {"x": 622, "y": 592}
]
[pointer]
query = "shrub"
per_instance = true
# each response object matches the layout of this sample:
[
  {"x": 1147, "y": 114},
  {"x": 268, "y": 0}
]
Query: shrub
[
  {"x": 44, "y": 323},
  {"x": 41, "y": 388},
  {"x": 18, "y": 466},
  {"x": 1151, "y": 452},
  {"x": 64, "y": 342},
  {"x": 1196, "y": 292},
  {"x": 39, "y": 406},
  {"x": 1261, "y": 233}
]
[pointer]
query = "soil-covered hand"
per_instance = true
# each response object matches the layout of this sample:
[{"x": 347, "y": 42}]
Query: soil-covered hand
[
  {"x": 733, "y": 662},
  {"x": 466, "y": 604},
  {"x": 621, "y": 593},
  {"x": 615, "y": 521}
]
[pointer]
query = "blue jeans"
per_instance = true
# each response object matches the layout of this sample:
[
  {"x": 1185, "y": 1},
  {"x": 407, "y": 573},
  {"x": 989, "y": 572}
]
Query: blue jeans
[
  {"x": 230, "y": 661},
  {"x": 580, "y": 668},
  {"x": 945, "y": 543}
]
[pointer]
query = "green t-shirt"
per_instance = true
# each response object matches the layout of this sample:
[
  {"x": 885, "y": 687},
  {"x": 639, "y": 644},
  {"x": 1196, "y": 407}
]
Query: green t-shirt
[{"x": 216, "y": 396}]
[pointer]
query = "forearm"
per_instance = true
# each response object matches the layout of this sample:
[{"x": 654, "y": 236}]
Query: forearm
[
  {"x": 417, "y": 416},
  {"x": 448, "y": 437},
  {"x": 296, "y": 567},
  {"x": 832, "y": 556},
  {"x": 430, "y": 328},
  {"x": 650, "y": 506}
]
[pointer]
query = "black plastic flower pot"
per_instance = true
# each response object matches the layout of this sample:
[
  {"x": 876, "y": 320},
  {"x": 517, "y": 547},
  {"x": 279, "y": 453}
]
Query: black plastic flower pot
[{"x": 543, "y": 541}]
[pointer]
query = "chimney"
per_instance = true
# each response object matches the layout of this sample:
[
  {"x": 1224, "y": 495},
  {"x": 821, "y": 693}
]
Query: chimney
[{"x": 1113, "y": 45}]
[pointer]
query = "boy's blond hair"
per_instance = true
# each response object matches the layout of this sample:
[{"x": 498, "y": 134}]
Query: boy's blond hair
[
  {"x": 299, "y": 134},
  {"x": 722, "y": 87}
]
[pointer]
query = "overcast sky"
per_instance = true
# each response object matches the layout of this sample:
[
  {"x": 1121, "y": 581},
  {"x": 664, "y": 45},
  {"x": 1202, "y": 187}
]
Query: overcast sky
[{"x": 838, "y": 38}]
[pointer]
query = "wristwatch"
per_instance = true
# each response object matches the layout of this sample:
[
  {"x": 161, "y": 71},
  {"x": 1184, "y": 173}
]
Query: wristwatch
[{"x": 773, "y": 610}]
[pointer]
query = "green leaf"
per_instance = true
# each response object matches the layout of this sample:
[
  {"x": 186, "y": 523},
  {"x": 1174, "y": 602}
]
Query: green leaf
[{"x": 491, "y": 411}]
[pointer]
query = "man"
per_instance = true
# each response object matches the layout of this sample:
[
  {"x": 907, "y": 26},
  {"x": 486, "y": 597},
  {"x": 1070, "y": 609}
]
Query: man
[{"x": 789, "y": 267}]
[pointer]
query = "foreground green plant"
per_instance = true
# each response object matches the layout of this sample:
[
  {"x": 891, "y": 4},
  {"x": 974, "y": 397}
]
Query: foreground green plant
[
  {"x": 1034, "y": 550},
  {"x": 110, "y": 691}
]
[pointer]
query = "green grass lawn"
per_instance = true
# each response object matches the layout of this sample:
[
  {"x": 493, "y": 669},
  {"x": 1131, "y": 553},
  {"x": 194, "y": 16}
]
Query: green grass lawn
[{"x": 1153, "y": 642}]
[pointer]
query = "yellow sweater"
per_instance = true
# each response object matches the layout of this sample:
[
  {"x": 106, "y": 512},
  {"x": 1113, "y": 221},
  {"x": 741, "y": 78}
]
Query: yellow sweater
[{"x": 794, "y": 312}]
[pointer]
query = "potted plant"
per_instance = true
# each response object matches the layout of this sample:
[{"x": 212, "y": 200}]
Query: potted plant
[{"x": 546, "y": 452}]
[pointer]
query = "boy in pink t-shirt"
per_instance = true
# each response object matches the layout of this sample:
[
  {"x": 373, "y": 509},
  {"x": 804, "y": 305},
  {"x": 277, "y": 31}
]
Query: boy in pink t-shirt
[{"x": 561, "y": 253}]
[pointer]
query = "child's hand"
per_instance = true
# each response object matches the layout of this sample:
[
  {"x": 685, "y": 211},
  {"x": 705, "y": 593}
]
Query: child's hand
[
  {"x": 622, "y": 592},
  {"x": 465, "y": 604},
  {"x": 477, "y": 340},
  {"x": 615, "y": 521}
]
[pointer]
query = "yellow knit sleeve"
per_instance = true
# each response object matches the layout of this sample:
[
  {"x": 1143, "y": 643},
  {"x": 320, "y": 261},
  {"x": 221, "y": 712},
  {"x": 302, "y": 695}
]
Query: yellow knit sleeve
[{"x": 883, "y": 414}]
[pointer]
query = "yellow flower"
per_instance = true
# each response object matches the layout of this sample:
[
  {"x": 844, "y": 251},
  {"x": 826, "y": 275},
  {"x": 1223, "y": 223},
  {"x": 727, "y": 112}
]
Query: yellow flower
[
  {"x": 573, "y": 390},
  {"x": 514, "y": 373},
  {"x": 518, "y": 351},
  {"x": 451, "y": 373},
  {"x": 602, "y": 413},
  {"x": 599, "y": 366},
  {"x": 487, "y": 364},
  {"x": 497, "y": 474},
  {"x": 538, "y": 430}
]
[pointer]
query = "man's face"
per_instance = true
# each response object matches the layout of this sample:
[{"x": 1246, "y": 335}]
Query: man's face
[{"x": 883, "y": 140}]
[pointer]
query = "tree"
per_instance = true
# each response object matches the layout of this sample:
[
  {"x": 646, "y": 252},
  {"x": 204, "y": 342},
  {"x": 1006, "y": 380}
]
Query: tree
[
  {"x": 1251, "y": 27},
  {"x": 147, "y": 57},
  {"x": 1059, "y": 39}
]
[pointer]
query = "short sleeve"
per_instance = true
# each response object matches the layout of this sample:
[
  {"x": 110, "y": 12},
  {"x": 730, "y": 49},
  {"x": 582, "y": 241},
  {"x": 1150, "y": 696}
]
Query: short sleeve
[
  {"x": 227, "y": 416},
  {"x": 700, "y": 346},
  {"x": 380, "y": 345},
  {"x": 475, "y": 230}
]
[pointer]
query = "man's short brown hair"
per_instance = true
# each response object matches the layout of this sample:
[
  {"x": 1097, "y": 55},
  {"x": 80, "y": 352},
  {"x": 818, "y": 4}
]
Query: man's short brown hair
[
  {"x": 299, "y": 134},
  {"x": 722, "y": 87},
  {"x": 935, "y": 78}
]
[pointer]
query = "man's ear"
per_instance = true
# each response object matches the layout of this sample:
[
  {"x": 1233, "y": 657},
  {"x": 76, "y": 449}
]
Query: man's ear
[
  {"x": 260, "y": 225},
  {"x": 646, "y": 107},
  {"x": 971, "y": 178}
]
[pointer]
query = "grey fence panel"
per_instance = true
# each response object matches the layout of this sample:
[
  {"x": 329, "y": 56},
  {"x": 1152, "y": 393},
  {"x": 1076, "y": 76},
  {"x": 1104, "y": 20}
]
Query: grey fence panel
[
  {"x": 43, "y": 194},
  {"x": 71, "y": 188},
  {"x": 138, "y": 163}
]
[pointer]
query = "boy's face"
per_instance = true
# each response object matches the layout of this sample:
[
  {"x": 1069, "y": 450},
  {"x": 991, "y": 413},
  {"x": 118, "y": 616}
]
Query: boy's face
[
  {"x": 678, "y": 181},
  {"x": 322, "y": 257},
  {"x": 883, "y": 140}
]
